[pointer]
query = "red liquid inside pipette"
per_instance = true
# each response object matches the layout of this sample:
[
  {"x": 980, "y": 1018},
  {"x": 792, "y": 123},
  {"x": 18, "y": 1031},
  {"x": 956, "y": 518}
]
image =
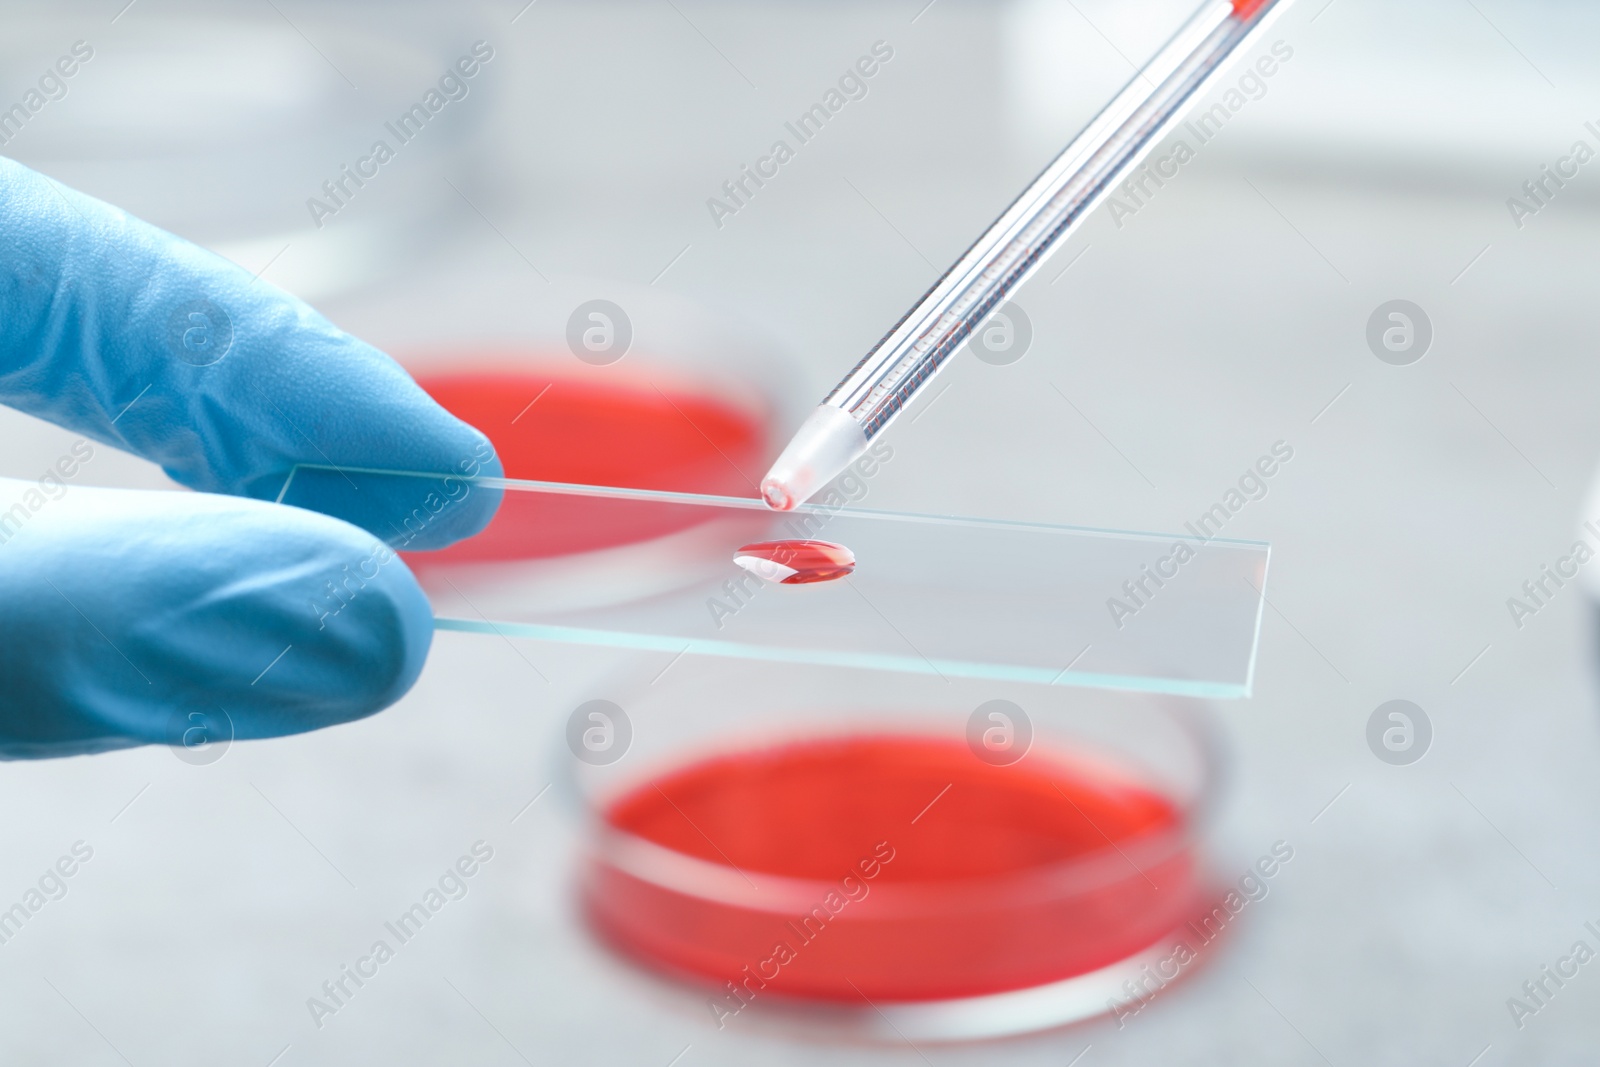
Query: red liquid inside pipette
[
  {"x": 999, "y": 878},
  {"x": 620, "y": 432}
]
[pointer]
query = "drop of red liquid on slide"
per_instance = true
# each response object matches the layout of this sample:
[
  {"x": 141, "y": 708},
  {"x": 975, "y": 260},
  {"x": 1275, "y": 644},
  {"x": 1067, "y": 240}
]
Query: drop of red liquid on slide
[
  {"x": 796, "y": 562},
  {"x": 891, "y": 866}
]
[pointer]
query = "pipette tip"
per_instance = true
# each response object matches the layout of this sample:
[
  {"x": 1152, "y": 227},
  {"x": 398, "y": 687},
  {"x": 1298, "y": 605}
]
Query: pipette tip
[
  {"x": 777, "y": 495},
  {"x": 827, "y": 443}
]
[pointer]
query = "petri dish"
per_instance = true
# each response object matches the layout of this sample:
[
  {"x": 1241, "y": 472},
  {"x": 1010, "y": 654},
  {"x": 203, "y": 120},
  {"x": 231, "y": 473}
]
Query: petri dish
[
  {"x": 884, "y": 862},
  {"x": 689, "y": 401},
  {"x": 554, "y": 420}
]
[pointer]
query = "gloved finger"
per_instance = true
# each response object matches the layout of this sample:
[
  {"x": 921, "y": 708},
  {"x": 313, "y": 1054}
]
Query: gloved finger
[
  {"x": 123, "y": 332},
  {"x": 131, "y": 615}
]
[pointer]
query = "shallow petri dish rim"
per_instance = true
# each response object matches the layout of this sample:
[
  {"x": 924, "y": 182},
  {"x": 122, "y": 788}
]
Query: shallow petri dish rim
[{"x": 727, "y": 885}]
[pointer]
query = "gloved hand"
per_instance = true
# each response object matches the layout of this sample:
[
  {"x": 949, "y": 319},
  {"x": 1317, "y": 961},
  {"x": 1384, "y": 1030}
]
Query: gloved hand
[{"x": 128, "y": 617}]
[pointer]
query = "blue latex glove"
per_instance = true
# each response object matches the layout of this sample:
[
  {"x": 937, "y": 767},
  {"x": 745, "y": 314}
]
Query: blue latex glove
[{"x": 127, "y": 617}]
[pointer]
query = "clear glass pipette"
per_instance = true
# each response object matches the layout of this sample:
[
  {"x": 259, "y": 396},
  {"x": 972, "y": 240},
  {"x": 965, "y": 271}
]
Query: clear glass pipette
[{"x": 881, "y": 385}]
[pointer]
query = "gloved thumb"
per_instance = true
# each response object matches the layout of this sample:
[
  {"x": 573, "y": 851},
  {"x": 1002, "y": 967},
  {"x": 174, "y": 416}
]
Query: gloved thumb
[{"x": 127, "y": 617}]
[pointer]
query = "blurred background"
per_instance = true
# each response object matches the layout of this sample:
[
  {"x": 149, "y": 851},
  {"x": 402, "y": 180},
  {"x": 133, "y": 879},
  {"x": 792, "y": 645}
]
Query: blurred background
[{"x": 1192, "y": 331}]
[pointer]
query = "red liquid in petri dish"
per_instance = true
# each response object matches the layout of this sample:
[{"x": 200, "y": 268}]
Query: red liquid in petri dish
[
  {"x": 890, "y": 866},
  {"x": 619, "y": 431}
]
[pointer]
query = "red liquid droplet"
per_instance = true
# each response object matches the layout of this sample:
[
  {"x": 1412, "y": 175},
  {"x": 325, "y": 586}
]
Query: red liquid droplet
[
  {"x": 547, "y": 426},
  {"x": 796, "y": 562},
  {"x": 1010, "y": 878}
]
